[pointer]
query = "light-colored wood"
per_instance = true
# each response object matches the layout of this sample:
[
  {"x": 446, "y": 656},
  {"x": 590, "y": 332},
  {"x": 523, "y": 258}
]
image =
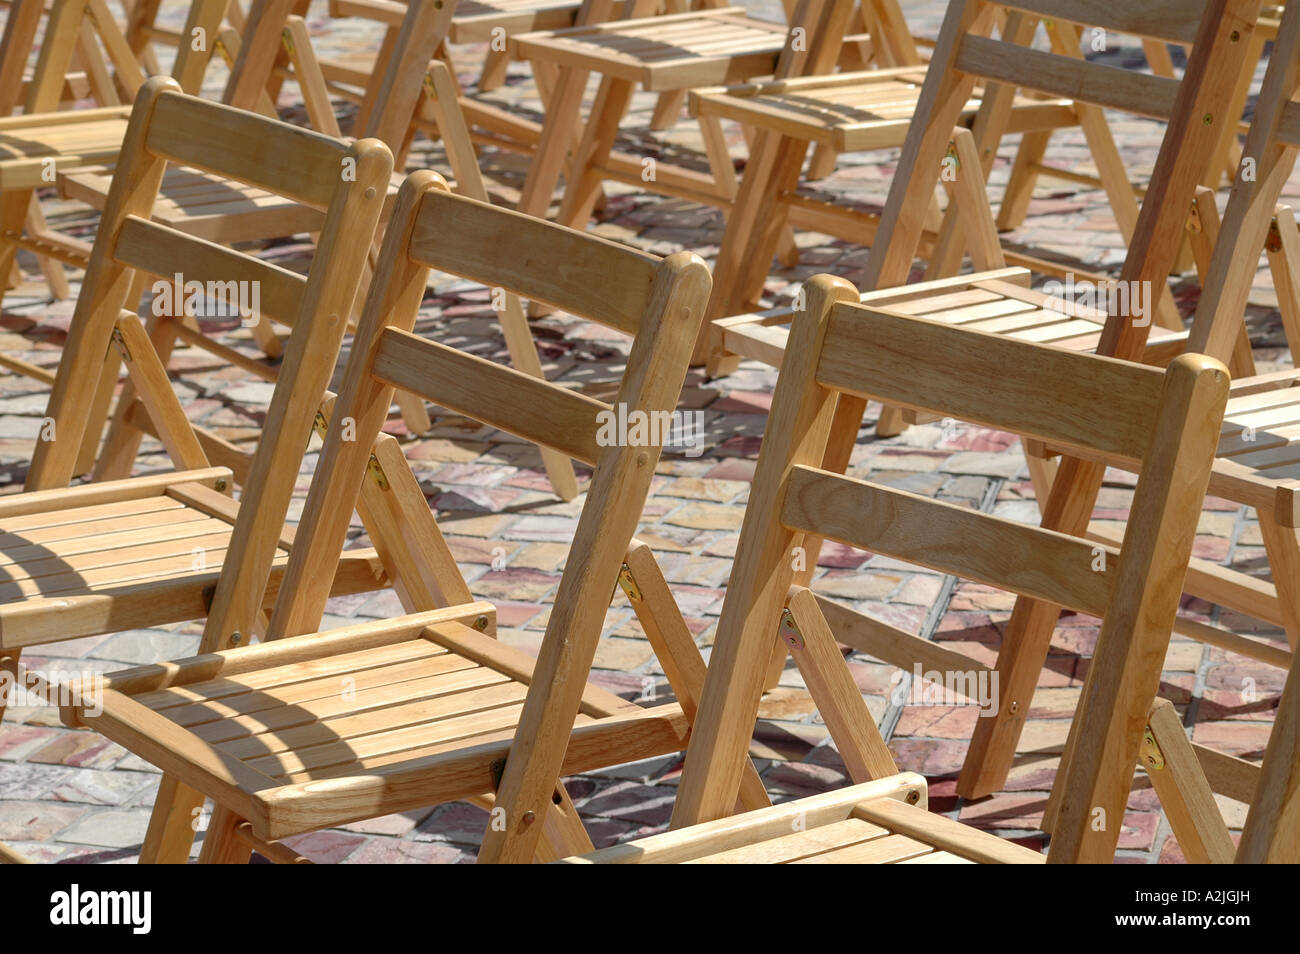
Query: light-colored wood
[
  {"x": 880, "y": 827},
  {"x": 353, "y": 206},
  {"x": 1190, "y": 807},
  {"x": 847, "y": 346},
  {"x": 724, "y": 834},
  {"x": 432, "y": 734}
]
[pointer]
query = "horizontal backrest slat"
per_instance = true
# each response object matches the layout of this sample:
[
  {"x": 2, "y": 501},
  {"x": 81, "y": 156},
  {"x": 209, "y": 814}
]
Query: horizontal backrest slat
[
  {"x": 492, "y": 394},
  {"x": 159, "y": 250},
  {"x": 1030, "y": 561},
  {"x": 290, "y": 161},
  {"x": 1100, "y": 85},
  {"x": 579, "y": 273},
  {"x": 1173, "y": 20},
  {"x": 1099, "y": 403}
]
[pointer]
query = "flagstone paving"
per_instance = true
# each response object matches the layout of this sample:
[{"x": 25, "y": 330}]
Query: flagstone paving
[{"x": 71, "y": 796}]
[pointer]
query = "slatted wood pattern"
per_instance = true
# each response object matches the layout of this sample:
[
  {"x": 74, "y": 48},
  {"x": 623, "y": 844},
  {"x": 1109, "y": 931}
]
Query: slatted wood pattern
[
  {"x": 86, "y": 549},
  {"x": 475, "y": 19},
  {"x": 220, "y": 210},
  {"x": 834, "y": 828},
  {"x": 666, "y": 52},
  {"x": 852, "y": 112},
  {"x": 77, "y": 138}
]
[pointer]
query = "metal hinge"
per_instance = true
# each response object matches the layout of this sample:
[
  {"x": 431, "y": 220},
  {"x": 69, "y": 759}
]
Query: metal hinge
[
  {"x": 1152, "y": 757},
  {"x": 376, "y": 472},
  {"x": 120, "y": 341},
  {"x": 628, "y": 583},
  {"x": 789, "y": 630},
  {"x": 1274, "y": 241}
]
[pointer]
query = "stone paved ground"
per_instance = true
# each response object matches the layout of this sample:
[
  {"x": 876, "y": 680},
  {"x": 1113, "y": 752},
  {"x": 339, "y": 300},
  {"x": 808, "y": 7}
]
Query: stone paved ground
[{"x": 71, "y": 796}]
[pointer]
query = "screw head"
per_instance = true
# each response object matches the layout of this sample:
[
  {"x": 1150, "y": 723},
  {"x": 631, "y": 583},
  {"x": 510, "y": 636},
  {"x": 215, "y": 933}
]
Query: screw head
[
  {"x": 1234, "y": 36},
  {"x": 481, "y": 623},
  {"x": 236, "y": 638},
  {"x": 1208, "y": 119},
  {"x": 529, "y": 817},
  {"x": 913, "y": 797}
]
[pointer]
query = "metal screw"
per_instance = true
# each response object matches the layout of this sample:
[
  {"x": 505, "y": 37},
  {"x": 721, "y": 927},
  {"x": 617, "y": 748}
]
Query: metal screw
[
  {"x": 1208, "y": 120},
  {"x": 481, "y": 623},
  {"x": 1015, "y": 706},
  {"x": 530, "y": 817},
  {"x": 1234, "y": 36},
  {"x": 236, "y": 638},
  {"x": 913, "y": 797},
  {"x": 220, "y": 484}
]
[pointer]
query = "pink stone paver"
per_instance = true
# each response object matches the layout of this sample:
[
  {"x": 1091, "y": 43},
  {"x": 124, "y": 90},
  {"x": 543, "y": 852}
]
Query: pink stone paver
[{"x": 68, "y": 795}]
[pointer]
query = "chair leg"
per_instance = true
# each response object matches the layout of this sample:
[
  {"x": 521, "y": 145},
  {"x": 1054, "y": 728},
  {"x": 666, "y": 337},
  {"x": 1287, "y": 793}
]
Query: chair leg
[
  {"x": 667, "y": 110},
  {"x": 1284, "y": 563},
  {"x": 51, "y": 268},
  {"x": 171, "y": 826},
  {"x": 1179, "y": 781},
  {"x": 1026, "y": 641},
  {"x": 822, "y": 163},
  {"x": 1024, "y": 175},
  {"x": 495, "y": 66},
  {"x": 675, "y": 648},
  {"x": 122, "y": 444},
  {"x": 220, "y": 844},
  {"x": 13, "y": 213},
  {"x": 1272, "y": 832},
  {"x": 9, "y": 666},
  {"x": 838, "y": 698},
  {"x": 580, "y": 193}
]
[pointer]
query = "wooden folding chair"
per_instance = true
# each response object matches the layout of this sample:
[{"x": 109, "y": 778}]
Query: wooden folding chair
[
  {"x": 873, "y": 110},
  {"x": 1219, "y": 31},
  {"x": 439, "y": 704},
  {"x": 409, "y": 87},
  {"x": 932, "y": 155},
  {"x": 1254, "y": 468},
  {"x": 1186, "y": 777},
  {"x": 110, "y": 556},
  {"x": 709, "y": 44},
  {"x": 41, "y": 141},
  {"x": 841, "y": 350},
  {"x": 226, "y": 210}
]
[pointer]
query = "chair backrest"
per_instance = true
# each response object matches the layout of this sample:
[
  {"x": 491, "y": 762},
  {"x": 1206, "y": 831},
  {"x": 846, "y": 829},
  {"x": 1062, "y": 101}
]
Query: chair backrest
[
  {"x": 1195, "y": 107},
  {"x": 659, "y": 302},
  {"x": 346, "y": 182},
  {"x": 1268, "y": 160},
  {"x": 1169, "y": 421},
  {"x": 628, "y": 290}
]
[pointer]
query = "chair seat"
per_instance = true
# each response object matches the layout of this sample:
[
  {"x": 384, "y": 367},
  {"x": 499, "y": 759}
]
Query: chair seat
[
  {"x": 884, "y": 821},
  {"x": 72, "y": 138},
  {"x": 475, "y": 20},
  {"x": 207, "y": 206},
  {"x": 677, "y": 51},
  {"x": 120, "y": 555},
  {"x": 1258, "y": 464},
  {"x": 993, "y": 302},
  {"x": 854, "y": 112},
  {"x": 383, "y": 717}
]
